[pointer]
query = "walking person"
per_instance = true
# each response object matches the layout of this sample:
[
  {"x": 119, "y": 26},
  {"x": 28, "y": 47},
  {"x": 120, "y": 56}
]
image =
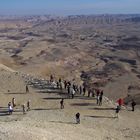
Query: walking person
[
  {"x": 77, "y": 118},
  {"x": 62, "y": 104},
  {"x": 133, "y": 103}
]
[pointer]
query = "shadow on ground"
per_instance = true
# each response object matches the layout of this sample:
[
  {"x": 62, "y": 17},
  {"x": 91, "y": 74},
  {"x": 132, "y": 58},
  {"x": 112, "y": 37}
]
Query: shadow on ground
[
  {"x": 83, "y": 104},
  {"x": 40, "y": 109},
  {"x": 106, "y": 117},
  {"x": 16, "y": 93},
  {"x": 62, "y": 122},
  {"x": 96, "y": 108}
]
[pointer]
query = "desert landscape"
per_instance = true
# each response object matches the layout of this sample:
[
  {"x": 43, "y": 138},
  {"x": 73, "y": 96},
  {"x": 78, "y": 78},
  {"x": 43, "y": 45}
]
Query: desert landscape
[{"x": 101, "y": 51}]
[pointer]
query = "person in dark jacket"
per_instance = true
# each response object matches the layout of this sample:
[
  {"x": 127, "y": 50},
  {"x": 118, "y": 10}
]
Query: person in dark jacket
[
  {"x": 77, "y": 118},
  {"x": 133, "y": 105},
  {"x": 117, "y": 110},
  {"x": 100, "y": 99},
  {"x": 62, "y": 104}
]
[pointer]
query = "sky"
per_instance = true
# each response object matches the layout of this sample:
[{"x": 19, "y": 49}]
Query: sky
[{"x": 68, "y": 7}]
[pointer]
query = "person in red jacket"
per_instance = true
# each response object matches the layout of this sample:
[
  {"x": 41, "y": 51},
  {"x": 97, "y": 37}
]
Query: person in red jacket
[{"x": 120, "y": 102}]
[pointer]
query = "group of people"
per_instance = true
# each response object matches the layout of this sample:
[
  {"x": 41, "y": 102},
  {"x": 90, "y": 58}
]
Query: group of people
[
  {"x": 12, "y": 105},
  {"x": 72, "y": 89},
  {"x": 120, "y": 102}
]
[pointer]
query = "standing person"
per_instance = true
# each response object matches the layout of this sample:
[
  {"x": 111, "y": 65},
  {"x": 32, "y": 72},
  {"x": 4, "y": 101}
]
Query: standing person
[
  {"x": 60, "y": 84},
  {"x": 80, "y": 90},
  {"x": 97, "y": 96},
  {"x": 68, "y": 88},
  {"x": 23, "y": 108},
  {"x": 13, "y": 102},
  {"x": 100, "y": 99},
  {"x": 28, "y": 105},
  {"x": 74, "y": 87},
  {"x": 84, "y": 91},
  {"x": 73, "y": 93},
  {"x": 93, "y": 93},
  {"x": 62, "y": 104},
  {"x": 65, "y": 84},
  {"x": 102, "y": 93},
  {"x": 89, "y": 91},
  {"x": 27, "y": 89},
  {"x": 10, "y": 109},
  {"x": 51, "y": 78},
  {"x": 117, "y": 111},
  {"x": 120, "y": 102},
  {"x": 77, "y": 118},
  {"x": 59, "y": 80},
  {"x": 133, "y": 103}
]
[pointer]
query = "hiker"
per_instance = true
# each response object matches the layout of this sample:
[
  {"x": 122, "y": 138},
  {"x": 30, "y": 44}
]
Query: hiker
[
  {"x": 74, "y": 87},
  {"x": 77, "y": 118},
  {"x": 68, "y": 88},
  {"x": 102, "y": 93},
  {"x": 120, "y": 102},
  {"x": 57, "y": 84},
  {"x": 23, "y": 108},
  {"x": 133, "y": 105},
  {"x": 117, "y": 111},
  {"x": 84, "y": 91},
  {"x": 80, "y": 89},
  {"x": 62, "y": 104},
  {"x": 60, "y": 85},
  {"x": 27, "y": 89},
  {"x": 59, "y": 80},
  {"x": 10, "y": 109},
  {"x": 65, "y": 84},
  {"x": 51, "y": 79},
  {"x": 97, "y": 96},
  {"x": 73, "y": 92},
  {"x": 100, "y": 99},
  {"x": 13, "y": 102},
  {"x": 93, "y": 93},
  {"x": 77, "y": 89},
  {"x": 89, "y": 91},
  {"x": 28, "y": 105}
]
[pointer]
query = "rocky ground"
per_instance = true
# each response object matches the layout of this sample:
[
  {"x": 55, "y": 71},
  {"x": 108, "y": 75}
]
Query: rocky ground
[{"x": 47, "y": 121}]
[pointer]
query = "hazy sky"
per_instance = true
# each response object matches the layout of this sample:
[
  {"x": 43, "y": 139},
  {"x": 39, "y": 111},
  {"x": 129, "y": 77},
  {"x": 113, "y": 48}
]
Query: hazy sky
[{"x": 68, "y": 7}]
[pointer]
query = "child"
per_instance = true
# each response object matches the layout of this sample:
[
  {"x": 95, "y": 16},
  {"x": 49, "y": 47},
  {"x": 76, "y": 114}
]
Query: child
[{"x": 77, "y": 118}]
